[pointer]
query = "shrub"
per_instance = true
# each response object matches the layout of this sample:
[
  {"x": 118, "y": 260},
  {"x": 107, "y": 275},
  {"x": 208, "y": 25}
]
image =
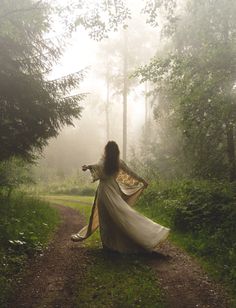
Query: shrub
[
  {"x": 202, "y": 211},
  {"x": 13, "y": 173},
  {"x": 65, "y": 188}
]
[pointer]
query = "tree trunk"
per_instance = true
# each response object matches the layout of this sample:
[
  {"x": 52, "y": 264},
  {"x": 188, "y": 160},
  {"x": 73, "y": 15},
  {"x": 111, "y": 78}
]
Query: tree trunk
[
  {"x": 231, "y": 153},
  {"x": 230, "y": 127},
  {"x": 107, "y": 104},
  {"x": 146, "y": 109},
  {"x": 125, "y": 94},
  {"x": 145, "y": 131}
]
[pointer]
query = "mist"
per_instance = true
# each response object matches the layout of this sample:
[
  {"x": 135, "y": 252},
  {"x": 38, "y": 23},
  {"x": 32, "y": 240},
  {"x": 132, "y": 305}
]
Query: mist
[
  {"x": 85, "y": 141},
  {"x": 157, "y": 77}
]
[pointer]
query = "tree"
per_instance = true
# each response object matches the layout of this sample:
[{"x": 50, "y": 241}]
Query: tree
[
  {"x": 125, "y": 93},
  {"x": 13, "y": 173},
  {"x": 32, "y": 108},
  {"x": 105, "y": 72},
  {"x": 197, "y": 78},
  {"x": 101, "y": 17}
]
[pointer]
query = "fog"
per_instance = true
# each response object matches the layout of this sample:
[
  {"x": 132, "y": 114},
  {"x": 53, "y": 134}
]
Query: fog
[
  {"x": 158, "y": 77},
  {"x": 84, "y": 142}
]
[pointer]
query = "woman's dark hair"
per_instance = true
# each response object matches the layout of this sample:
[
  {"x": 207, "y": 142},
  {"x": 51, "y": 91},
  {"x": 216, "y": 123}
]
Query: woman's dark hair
[{"x": 111, "y": 158}]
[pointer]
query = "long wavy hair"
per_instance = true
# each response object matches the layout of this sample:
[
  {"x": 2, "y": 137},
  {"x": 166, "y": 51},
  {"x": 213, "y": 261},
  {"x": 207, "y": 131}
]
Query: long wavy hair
[{"x": 111, "y": 158}]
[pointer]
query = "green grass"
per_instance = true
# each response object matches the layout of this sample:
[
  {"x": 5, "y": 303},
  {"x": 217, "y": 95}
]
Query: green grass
[
  {"x": 112, "y": 279},
  {"x": 74, "y": 185},
  {"x": 81, "y": 199},
  {"x": 26, "y": 225},
  {"x": 193, "y": 245},
  {"x": 202, "y": 216}
]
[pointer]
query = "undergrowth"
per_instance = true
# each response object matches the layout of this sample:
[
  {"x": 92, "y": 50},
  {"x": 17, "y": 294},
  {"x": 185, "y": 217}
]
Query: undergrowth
[
  {"x": 202, "y": 217},
  {"x": 66, "y": 187},
  {"x": 26, "y": 224}
]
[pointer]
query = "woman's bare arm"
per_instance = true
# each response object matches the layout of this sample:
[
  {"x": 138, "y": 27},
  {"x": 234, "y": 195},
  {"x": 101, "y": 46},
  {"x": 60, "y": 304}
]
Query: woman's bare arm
[{"x": 87, "y": 167}]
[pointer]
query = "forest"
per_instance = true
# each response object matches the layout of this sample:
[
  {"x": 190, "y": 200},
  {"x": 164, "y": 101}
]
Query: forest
[{"x": 159, "y": 78}]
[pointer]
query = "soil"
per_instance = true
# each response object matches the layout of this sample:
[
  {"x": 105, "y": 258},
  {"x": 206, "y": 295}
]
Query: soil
[
  {"x": 184, "y": 282},
  {"x": 50, "y": 279}
]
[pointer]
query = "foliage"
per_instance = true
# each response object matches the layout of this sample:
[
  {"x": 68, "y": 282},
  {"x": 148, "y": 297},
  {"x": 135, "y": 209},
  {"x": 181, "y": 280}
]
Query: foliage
[
  {"x": 33, "y": 108},
  {"x": 161, "y": 155},
  {"x": 101, "y": 17},
  {"x": 64, "y": 189},
  {"x": 25, "y": 227},
  {"x": 195, "y": 82},
  {"x": 13, "y": 173},
  {"x": 51, "y": 182},
  {"x": 159, "y": 10},
  {"x": 202, "y": 216}
]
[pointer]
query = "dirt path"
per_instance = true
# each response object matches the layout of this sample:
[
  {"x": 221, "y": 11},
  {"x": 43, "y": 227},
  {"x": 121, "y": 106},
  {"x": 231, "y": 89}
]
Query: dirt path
[
  {"x": 184, "y": 282},
  {"x": 50, "y": 280}
]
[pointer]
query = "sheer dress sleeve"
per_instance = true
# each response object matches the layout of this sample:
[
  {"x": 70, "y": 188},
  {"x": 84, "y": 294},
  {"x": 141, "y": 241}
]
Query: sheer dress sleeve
[
  {"x": 134, "y": 175},
  {"x": 95, "y": 171}
]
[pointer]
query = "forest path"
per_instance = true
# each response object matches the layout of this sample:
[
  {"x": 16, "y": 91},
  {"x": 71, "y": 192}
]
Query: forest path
[
  {"x": 184, "y": 282},
  {"x": 50, "y": 279}
]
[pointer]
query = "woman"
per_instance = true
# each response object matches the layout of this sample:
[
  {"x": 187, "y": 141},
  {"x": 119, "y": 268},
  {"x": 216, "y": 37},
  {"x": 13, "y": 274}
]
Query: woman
[{"x": 122, "y": 229}]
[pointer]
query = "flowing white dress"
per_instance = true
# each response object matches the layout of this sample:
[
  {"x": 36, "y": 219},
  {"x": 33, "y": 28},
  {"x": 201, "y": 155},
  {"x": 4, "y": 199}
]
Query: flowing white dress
[{"x": 122, "y": 229}]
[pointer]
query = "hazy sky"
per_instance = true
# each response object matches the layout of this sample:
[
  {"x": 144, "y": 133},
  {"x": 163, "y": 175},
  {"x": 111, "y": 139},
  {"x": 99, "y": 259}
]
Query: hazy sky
[{"x": 83, "y": 52}]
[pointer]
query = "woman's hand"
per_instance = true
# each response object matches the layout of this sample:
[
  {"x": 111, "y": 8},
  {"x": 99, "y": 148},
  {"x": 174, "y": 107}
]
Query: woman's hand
[{"x": 84, "y": 167}]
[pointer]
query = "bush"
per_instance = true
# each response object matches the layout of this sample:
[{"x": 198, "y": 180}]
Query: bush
[
  {"x": 13, "y": 173},
  {"x": 87, "y": 191},
  {"x": 64, "y": 188},
  {"x": 202, "y": 211},
  {"x": 67, "y": 190}
]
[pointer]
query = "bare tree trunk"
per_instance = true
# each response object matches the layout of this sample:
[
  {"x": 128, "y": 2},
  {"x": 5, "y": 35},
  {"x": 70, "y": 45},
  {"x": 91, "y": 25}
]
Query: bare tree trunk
[
  {"x": 107, "y": 104},
  {"x": 145, "y": 132},
  {"x": 231, "y": 153},
  {"x": 146, "y": 107},
  {"x": 125, "y": 94}
]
